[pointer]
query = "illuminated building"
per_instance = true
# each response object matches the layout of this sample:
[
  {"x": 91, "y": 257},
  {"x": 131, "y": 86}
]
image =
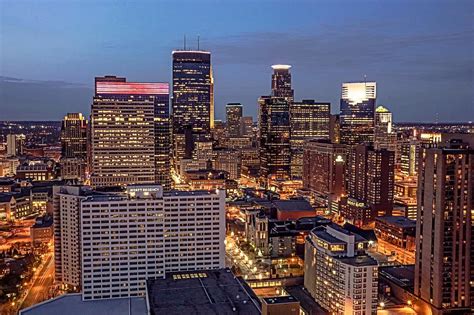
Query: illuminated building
[
  {"x": 370, "y": 184},
  {"x": 337, "y": 272},
  {"x": 228, "y": 160},
  {"x": 15, "y": 144},
  {"x": 74, "y": 136},
  {"x": 130, "y": 133},
  {"x": 275, "y": 128},
  {"x": 384, "y": 135},
  {"x": 281, "y": 82},
  {"x": 111, "y": 243},
  {"x": 357, "y": 112},
  {"x": 444, "y": 267},
  {"x": 234, "y": 119},
  {"x": 399, "y": 231},
  {"x": 324, "y": 172},
  {"x": 73, "y": 147},
  {"x": 247, "y": 126},
  {"x": 275, "y": 149},
  {"x": 309, "y": 120}
]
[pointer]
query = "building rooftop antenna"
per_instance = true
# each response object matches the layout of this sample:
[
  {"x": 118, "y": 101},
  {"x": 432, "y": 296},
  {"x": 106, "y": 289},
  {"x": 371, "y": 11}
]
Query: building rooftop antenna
[
  {"x": 198, "y": 42},
  {"x": 185, "y": 42}
]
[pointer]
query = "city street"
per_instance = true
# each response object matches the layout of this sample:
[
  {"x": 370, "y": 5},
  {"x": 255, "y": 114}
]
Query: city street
[{"x": 42, "y": 282}]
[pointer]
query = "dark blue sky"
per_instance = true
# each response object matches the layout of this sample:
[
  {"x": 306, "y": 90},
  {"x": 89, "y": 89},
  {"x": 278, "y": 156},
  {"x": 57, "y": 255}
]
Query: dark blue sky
[{"x": 421, "y": 53}]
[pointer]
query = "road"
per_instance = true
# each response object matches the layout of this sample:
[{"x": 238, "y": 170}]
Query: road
[{"x": 39, "y": 291}]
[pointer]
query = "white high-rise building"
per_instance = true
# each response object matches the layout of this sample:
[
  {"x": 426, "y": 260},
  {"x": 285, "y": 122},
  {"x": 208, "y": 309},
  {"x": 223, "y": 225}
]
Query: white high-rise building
[
  {"x": 127, "y": 238},
  {"x": 384, "y": 135},
  {"x": 338, "y": 274}
]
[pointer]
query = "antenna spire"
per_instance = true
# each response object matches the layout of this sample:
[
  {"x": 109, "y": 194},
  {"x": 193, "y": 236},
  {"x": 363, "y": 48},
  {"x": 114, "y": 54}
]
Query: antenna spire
[
  {"x": 198, "y": 42},
  {"x": 185, "y": 42}
]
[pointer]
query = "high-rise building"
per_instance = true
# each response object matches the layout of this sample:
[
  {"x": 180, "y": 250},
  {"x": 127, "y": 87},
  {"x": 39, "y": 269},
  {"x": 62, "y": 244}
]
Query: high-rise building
[
  {"x": 113, "y": 242},
  {"x": 274, "y": 129},
  {"x": 74, "y": 136},
  {"x": 369, "y": 184},
  {"x": 357, "y": 112},
  {"x": 337, "y": 272},
  {"x": 130, "y": 133},
  {"x": 444, "y": 269},
  {"x": 228, "y": 160},
  {"x": 247, "y": 126},
  {"x": 67, "y": 239},
  {"x": 324, "y": 171},
  {"x": 15, "y": 144},
  {"x": 309, "y": 120},
  {"x": 281, "y": 82},
  {"x": 73, "y": 161},
  {"x": 384, "y": 135},
  {"x": 234, "y": 119},
  {"x": 192, "y": 92}
]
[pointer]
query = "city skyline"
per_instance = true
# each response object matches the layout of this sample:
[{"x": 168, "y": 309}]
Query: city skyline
[{"x": 418, "y": 66}]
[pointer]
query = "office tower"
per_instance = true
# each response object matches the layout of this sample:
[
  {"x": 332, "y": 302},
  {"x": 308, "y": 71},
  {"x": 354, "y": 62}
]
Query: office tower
[
  {"x": 144, "y": 233},
  {"x": 246, "y": 126},
  {"x": 130, "y": 133},
  {"x": 337, "y": 272},
  {"x": 15, "y": 144},
  {"x": 309, "y": 120},
  {"x": 384, "y": 135},
  {"x": 74, "y": 136},
  {"x": 192, "y": 92},
  {"x": 281, "y": 82},
  {"x": 444, "y": 268},
  {"x": 324, "y": 171},
  {"x": 274, "y": 129},
  {"x": 73, "y": 163},
  {"x": 233, "y": 119},
  {"x": 409, "y": 155},
  {"x": 67, "y": 239},
  {"x": 357, "y": 112},
  {"x": 370, "y": 184},
  {"x": 334, "y": 129}
]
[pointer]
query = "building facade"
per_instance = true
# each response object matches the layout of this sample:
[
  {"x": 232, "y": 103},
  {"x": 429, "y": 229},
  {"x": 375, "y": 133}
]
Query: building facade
[
  {"x": 444, "y": 268},
  {"x": 73, "y": 163},
  {"x": 130, "y": 135},
  {"x": 384, "y": 135},
  {"x": 338, "y": 274},
  {"x": 309, "y": 120},
  {"x": 234, "y": 119},
  {"x": 357, "y": 112}
]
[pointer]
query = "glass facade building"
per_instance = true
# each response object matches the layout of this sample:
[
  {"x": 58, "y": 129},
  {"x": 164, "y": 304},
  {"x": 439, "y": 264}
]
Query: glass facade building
[
  {"x": 357, "y": 112},
  {"x": 130, "y": 133}
]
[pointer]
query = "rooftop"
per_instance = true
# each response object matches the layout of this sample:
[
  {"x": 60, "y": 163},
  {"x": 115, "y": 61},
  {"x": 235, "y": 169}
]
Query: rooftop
[
  {"x": 362, "y": 260},
  {"x": 403, "y": 276},
  {"x": 293, "y": 205},
  {"x": 200, "y": 292},
  {"x": 280, "y": 299},
  {"x": 72, "y": 304},
  {"x": 397, "y": 221}
]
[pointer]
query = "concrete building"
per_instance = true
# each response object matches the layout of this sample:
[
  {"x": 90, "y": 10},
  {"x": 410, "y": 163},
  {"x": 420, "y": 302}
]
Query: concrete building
[
  {"x": 384, "y": 135},
  {"x": 15, "y": 144},
  {"x": 111, "y": 243},
  {"x": 338, "y": 274},
  {"x": 234, "y": 119},
  {"x": 444, "y": 267},
  {"x": 399, "y": 231}
]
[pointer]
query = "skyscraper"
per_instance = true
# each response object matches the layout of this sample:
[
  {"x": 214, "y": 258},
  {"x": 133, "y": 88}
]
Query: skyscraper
[
  {"x": 193, "y": 105},
  {"x": 357, "y": 112},
  {"x": 15, "y": 144},
  {"x": 281, "y": 82},
  {"x": 73, "y": 161},
  {"x": 384, "y": 135},
  {"x": 74, "y": 136},
  {"x": 234, "y": 119},
  {"x": 130, "y": 133},
  {"x": 444, "y": 268},
  {"x": 370, "y": 184},
  {"x": 274, "y": 129},
  {"x": 309, "y": 120}
]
